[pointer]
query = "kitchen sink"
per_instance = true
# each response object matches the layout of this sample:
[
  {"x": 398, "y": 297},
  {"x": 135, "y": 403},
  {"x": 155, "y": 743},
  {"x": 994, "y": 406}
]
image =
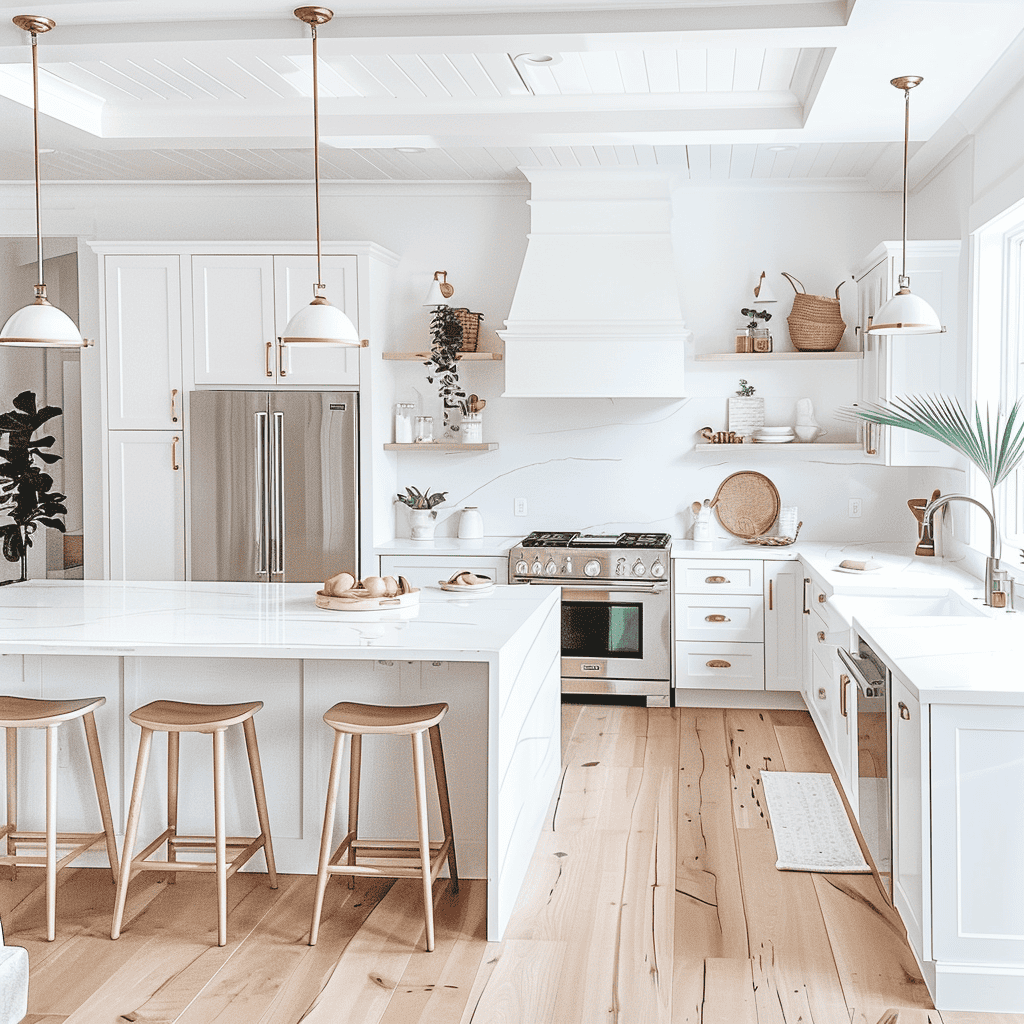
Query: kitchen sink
[{"x": 946, "y": 605}]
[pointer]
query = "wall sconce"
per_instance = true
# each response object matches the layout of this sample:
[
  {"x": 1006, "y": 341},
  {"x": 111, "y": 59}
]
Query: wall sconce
[
  {"x": 440, "y": 291},
  {"x": 763, "y": 291}
]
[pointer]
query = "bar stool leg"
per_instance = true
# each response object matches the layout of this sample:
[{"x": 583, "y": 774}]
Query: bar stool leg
[
  {"x": 355, "y": 769},
  {"x": 255, "y": 769},
  {"x": 131, "y": 831},
  {"x": 100, "y": 779},
  {"x": 12, "y": 794},
  {"x": 441, "y": 778},
  {"x": 419, "y": 776},
  {"x": 219, "y": 837},
  {"x": 51, "y": 832},
  {"x": 327, "y": 836},
  {"x": 173, "y": 760}
]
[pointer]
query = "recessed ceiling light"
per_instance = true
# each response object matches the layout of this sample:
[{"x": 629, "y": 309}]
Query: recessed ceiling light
[
  {"x": 781, "y": 149},
  {"x": 409, "y": 149}
]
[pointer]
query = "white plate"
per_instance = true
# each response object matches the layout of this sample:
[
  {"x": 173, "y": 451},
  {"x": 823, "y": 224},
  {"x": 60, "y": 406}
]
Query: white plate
[
  {"x": 774, "y": 430},
  {"x": 774, "y": 440},
  {"x": 462, "y": 588}
]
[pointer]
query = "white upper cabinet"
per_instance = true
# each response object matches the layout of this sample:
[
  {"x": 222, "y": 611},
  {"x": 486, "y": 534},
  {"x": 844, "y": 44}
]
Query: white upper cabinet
[
  {"x": 900, "y": 365},
  {"x": 241, "y": 305},
  {"x": 142, "y": 312}
]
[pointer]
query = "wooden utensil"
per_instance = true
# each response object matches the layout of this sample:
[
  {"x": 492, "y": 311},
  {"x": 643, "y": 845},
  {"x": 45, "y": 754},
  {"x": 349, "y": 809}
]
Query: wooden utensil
[{"x": 926, "y": 545}]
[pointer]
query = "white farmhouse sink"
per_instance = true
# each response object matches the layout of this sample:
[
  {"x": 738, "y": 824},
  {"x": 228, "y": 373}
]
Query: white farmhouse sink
[{"x": 948, "y": 604}]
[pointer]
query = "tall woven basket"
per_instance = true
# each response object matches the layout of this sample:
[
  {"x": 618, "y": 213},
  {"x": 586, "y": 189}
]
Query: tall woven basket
[
  {"x": 470, "y": 328},
  {"x": 816, "y": 322}
]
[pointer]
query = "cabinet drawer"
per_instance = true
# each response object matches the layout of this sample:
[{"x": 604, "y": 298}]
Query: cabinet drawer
[
  {"x": 719, "y": 666},
  {"x": 730, "y": 617},
  {"x": 427, "y": 570},
  {"x": 710, "y": 577}
]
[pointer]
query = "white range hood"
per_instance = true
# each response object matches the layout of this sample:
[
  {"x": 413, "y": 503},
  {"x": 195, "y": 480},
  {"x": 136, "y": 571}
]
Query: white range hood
[{"x": 596, "y": 311}]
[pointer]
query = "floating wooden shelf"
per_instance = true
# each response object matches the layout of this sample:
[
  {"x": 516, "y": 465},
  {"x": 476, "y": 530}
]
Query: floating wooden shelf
[
  {"x": 804, "y": 446},
  {"x": 442, "y": 446},
  {"x": 767, "y": 357},
  {"x": 423, "y": 357}
]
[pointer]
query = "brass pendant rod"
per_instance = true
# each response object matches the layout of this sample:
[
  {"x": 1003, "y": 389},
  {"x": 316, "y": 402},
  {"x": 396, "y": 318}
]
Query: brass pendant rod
[
  {"x": 906, "y": 146},
  {"x": 35, "y": 146},
  {"x": 316, "y": 158}
]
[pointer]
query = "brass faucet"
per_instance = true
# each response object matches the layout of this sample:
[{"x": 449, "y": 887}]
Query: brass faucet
[{"x": 993, "y": 574}]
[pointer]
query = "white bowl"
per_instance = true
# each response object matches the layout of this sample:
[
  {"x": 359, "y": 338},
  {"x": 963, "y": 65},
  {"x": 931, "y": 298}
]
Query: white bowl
[{"x": 773, "y": 430}]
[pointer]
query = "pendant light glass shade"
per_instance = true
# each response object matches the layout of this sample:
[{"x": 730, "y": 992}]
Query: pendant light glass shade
[
  {"x": 39, "y": 325},
  {"x": 906, "y": 313},
  {"x": 319, "y": 323}
]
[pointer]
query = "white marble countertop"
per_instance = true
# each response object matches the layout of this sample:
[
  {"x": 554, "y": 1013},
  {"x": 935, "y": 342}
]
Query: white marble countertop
[{"x": 256, "y": 620}]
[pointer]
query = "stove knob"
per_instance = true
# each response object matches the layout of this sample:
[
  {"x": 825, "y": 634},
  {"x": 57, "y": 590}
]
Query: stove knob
[
  {"x": 522, "y": 568},
  {"x": 639, "y": 569},
  {"x": 536, "y": 568},
  {"x": 567, "y": 566},
  {"x": 551, "y": 568},
  {"x": 592, "y": 568},
  {"x": 658, "y": 569}
]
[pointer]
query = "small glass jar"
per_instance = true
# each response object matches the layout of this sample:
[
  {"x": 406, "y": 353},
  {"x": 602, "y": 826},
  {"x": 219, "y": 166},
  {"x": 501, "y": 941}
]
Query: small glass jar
[
  {"x": 744, "y": 340},
  {"x": 403, "y": 422},
  {"x": 424, "y": 428},
  {"x": 472, "y": 428},
  {"x": 761, "y": 339}
]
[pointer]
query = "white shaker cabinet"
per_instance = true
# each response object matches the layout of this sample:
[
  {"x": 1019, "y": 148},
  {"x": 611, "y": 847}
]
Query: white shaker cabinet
[
  {"x": 142, "y": 320},
  {"x": 147, "y": 505},
  {"x": 427, "y": 570},
  {"x": 783, "y": 625},
  {"x": 241, "y": 305},
  {"x": 900, "y": 365}
]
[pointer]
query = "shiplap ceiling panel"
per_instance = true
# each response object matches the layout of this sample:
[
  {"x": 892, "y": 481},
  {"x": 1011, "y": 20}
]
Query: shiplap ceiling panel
[{"x": 710, "y": 88}]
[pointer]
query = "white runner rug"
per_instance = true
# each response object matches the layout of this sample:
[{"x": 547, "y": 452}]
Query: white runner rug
[{"x": 809, "y": 823}]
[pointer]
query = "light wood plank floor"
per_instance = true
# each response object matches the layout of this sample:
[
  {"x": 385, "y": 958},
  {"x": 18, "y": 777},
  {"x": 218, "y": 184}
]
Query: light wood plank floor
[{"x": 652, "y": 897}]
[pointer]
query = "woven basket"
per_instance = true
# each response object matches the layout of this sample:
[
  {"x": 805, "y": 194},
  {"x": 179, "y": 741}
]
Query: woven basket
[
  {"x": 470, "y": 328},
  {"x": 816, "y": 322}
]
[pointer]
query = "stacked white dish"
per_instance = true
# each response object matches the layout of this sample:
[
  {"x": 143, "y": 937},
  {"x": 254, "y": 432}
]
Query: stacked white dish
[{"x": 774, "y": 435}]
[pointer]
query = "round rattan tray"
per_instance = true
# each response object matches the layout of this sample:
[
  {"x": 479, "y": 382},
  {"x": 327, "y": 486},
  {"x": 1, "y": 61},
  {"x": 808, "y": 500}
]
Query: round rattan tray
[{"x": 747, "y": 504}]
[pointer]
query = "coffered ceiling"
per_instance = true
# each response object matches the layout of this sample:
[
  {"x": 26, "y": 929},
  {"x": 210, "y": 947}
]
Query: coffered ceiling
[{"x": 462, "y": 90}]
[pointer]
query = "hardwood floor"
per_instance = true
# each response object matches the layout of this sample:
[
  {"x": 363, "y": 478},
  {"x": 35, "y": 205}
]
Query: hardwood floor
[{"x": 652, "y": 897}]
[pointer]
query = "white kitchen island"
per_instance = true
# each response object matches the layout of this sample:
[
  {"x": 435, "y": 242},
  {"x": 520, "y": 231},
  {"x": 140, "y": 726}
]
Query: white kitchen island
[{"x": 493, "y": 657}]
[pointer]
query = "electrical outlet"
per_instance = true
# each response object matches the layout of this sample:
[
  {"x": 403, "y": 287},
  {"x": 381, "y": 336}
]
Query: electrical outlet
[
  {"x": 855, "y": 508},
  {"x": 519, "y": 507}
]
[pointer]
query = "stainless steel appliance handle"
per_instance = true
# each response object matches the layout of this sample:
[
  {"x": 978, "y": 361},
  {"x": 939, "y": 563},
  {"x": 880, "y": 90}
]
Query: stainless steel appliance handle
[
  {"x": 277, "y": 492},
  {"x": 610, "y": 588},
  {"x": 260, "y": 504}
]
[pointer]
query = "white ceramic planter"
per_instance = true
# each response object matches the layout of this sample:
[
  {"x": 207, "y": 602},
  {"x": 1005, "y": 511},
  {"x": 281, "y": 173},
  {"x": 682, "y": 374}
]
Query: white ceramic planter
[{"x": 422, "y": 521}]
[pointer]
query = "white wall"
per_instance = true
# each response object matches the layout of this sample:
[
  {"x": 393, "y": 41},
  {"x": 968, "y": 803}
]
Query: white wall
[{"x": 588, "y": 463}]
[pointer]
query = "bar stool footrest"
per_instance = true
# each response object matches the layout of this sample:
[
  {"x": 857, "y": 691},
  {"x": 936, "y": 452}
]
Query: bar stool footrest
[
  {"x": 245, "y": 846},
  {"x": 399, "y": 858},
  {"x": 75, "y": 842}
]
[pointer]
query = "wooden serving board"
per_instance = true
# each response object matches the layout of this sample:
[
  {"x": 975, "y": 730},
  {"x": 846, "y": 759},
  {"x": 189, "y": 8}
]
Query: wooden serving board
[{"x": 365, "y": 604}]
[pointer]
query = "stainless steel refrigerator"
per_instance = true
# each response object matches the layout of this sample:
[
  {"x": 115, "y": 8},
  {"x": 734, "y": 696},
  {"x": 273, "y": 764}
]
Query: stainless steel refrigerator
[{"x": 274, "y": 481}]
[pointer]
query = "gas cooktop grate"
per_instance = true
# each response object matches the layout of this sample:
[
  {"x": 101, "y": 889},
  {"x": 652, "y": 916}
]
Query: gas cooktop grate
[{"x": 569, "y": 539}]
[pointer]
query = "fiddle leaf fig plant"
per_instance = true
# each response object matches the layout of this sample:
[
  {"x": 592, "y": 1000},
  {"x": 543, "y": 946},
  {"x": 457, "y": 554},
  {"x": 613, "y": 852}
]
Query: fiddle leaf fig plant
[{"x": 27, "y": 496}]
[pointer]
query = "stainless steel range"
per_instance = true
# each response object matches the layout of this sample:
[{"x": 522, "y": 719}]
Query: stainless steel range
[{"x": 616, "y": 609}]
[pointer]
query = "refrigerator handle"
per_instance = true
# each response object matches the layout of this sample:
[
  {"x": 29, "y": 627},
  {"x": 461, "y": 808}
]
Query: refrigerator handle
[
  {"x": 277, "y": 493},
  {"x": 261, "y": 452}
]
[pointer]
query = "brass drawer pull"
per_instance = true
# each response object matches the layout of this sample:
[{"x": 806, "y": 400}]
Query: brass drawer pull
[
  {"x": 822, "y": 693},
  {"x": 844, "y": 682},
  {"x": 266, "y": 361},
  {"x": 770, "y": 603},
  {"x": 821, "y": 636},
  {"x": 174, "y": 411},
  {"x": 822, "y": 599},
  {"x": 174, "y": 454},
  {"x": 718, "y": 663},
  {"x": 717, "y": 618},
  {"x": 281, "y": 371},
  {"x": 716, "y": 579},
  {"x": 904, "y": 711}
]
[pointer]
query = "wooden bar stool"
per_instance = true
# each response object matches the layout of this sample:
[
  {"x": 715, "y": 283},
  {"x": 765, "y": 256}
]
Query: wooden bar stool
[
  {"x": 402, "y": 859},
  {"x": 31, "y": 713},
  {"x": 174, "y": 718}
]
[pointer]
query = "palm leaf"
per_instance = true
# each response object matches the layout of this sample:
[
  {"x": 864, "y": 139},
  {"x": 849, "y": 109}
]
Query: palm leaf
[{"x": 995, "y": 446}]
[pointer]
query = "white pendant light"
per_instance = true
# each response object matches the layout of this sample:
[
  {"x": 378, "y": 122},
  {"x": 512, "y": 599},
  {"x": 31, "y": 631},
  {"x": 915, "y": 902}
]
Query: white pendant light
[
  {"x": 440, "y": 291},
  {"x": 906, "y": 313},
  {"x": 319, "y": 323},
  {"x": 40, "y": 325}
]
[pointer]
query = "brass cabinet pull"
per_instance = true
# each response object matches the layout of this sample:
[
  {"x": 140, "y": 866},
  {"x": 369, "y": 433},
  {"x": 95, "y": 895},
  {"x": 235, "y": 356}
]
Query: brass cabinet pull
[
  {"x": 281, "y": 372},
  {"x": 821, "y": 636},
  {"x": 904, "y": 711},
  {"x": 807, "y": 611},
  {"x": 869, "y": 448},
  {"x": 769, "y": 595},
  {"x": 822, "y": 693},
  {"x": 716, "y": 579},
  {"x": 269, "y": 368},
  {"x": 822, "y": 599},
  {"x": 718, "y": 663},
  {"x": 844, "y": 682},
  {"x": 174, "y": 454},
  {"x": 174, "y": 411},
  {"x": 717, "y": 618}
]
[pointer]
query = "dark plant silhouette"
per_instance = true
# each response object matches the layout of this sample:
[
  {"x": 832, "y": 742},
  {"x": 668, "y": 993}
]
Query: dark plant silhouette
[
  {"x": 26, "y": 492},
  {"x": 755, "y": 316},
  {"x": 445, "y": 345}
]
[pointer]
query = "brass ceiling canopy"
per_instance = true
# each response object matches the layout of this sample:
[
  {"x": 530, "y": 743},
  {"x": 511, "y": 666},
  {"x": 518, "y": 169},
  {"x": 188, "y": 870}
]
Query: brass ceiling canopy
[
  {"x": 314, "y": 15},
  {"x": 33, "y": 23}
]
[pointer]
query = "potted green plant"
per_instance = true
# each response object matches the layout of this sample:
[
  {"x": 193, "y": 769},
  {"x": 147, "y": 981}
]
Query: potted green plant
[
  {"x": 27, "y": 496},
  {"x": 422, "y": 510},
  {"x": 760, "y": 336},
  {"x": 445, "y": 345}
]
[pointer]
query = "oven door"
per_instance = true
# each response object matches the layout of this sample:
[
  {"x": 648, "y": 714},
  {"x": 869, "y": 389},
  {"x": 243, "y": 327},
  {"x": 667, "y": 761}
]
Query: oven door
[{"x": 616, "y": 634}]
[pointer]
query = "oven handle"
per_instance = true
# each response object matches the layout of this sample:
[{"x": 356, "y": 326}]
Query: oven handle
[
  {"x": 612, "y": 588},
  {"x": 851, "y": 664}
]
